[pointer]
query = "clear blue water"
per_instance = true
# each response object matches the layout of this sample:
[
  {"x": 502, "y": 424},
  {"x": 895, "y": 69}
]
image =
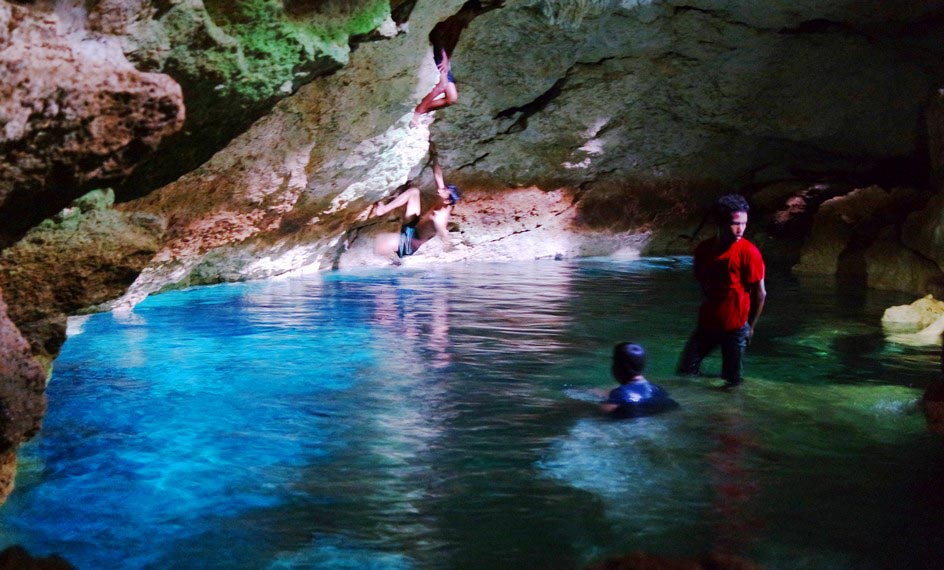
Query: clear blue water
[{"x": 435, "y": 418}]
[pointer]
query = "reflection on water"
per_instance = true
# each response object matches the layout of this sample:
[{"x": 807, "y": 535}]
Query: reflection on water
[{"x": 436, "y": 419}]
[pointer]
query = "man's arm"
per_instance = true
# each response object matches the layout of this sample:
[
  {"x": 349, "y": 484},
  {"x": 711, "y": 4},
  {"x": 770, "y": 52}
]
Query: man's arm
[
  {"x": 608, "y": 408},
  {"x": 437, "y": 171},
  {"x": 758, "y": 298}
]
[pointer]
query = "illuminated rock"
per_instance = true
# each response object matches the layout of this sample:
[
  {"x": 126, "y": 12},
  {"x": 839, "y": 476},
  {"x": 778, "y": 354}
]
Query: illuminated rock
[{"x": 917, "y": 315}]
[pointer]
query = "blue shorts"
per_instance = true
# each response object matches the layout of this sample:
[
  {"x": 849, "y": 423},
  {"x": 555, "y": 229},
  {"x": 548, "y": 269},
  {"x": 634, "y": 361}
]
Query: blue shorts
[
  {"x": 405, "y": 246},
  {"x": 437, "y": 57}
]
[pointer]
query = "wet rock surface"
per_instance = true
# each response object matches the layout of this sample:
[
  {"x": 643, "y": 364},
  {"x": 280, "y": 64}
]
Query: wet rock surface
[{"x": 22, "y": 397}]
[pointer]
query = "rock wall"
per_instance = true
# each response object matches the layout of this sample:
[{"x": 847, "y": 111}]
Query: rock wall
[
  {"x": 73, "y": 112},
  {"x": 84, "y": 256},
  {"x": 22, "y": 397},
  {"x": 233, "y": 61},
  {"x": 636, "y": 108},
  {"x": 725, "y": 92}
]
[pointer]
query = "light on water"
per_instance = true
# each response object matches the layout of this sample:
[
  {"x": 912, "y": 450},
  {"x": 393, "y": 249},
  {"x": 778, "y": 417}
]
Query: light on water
[{"x": 444, "y": 418}]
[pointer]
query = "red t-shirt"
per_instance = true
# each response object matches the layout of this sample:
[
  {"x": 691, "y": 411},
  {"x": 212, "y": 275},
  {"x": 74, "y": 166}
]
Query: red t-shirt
[{"x": 726, "y": 279}]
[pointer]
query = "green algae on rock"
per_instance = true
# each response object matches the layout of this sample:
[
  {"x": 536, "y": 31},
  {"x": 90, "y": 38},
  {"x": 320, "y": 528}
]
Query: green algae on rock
[
  {"x": 234, "y": 60},
  {"x": 83, "y": 256}
]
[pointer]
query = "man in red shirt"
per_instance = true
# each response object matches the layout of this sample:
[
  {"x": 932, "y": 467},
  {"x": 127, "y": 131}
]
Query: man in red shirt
[{"x": 730, "y": 271}]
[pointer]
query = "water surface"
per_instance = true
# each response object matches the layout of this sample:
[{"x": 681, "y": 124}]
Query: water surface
[{"x": 434, "y": 418}]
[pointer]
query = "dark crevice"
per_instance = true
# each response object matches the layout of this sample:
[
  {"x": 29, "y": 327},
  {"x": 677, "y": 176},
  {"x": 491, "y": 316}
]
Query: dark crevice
[
  {"x": 445, "y": 35},
  {"x": 544, "y": 99},
  {"x": 678, "y": 10},
  {"x": 822, "y": 26},
  {"x": 528, "y": 109},
  {"x": 715, "y": 14},
  {"x": 401, "y": 10},
  {"x": 473, "y": 162}
]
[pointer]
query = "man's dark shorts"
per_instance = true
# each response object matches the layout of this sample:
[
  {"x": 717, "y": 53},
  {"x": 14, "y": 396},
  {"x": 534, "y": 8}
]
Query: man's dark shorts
[{"x": 405, "y": 247}]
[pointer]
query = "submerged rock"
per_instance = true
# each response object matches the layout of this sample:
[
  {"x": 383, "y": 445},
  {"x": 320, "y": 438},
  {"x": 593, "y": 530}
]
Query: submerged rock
[
  {"x": 918, "y": 315},
  {"x": 645, "y": 561},
  {"x": 17, "y": 558},
  {"x": 919, "y": 324}
]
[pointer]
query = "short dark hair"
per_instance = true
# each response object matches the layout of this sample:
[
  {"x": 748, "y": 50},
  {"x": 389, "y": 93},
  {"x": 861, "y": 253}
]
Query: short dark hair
[
  {"x": 629, "y": 358},
  {"x": 728, "y": 204},
  {"x": 454, "y": 193}
]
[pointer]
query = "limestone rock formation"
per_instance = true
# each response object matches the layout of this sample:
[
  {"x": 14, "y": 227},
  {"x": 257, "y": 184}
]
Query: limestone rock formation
[
  {"x": 628, "y": 106},
  {"x": 924, "y": 231},
  {"x": 915, "y": 316},
  {"x": 855, "y": 236},
  {"x": 581, "y": 127},
  {"x": 22, "y": 397},
  {"x": 233, "y": 60},
  {"x": 919, "y": 324},
  {"x": 339, "y": 144},
  {"x": 73, "y": 112},
  {"x": 856, "y": 216},
  {"x": 889, "y": 265},
  {"x": 87, "y": 254},
  {"x": 514, "y": 225},
  {"x": 560, "y": 93}
]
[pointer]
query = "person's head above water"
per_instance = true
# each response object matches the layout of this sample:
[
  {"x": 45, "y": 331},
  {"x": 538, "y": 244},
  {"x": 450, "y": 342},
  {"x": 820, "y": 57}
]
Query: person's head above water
[
  {"x": 731, "y": 214},
  {"x": 629, "y": 360}
]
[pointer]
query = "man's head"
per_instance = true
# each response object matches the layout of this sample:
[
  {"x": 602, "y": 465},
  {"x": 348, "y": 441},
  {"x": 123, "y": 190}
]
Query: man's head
[
  {"x": 629, "y": 360},
  {"x": 731, "y": 213},
  {"x": 450, "y": 194}
]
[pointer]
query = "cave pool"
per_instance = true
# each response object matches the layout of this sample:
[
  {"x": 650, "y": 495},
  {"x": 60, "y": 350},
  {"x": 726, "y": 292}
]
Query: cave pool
[{"x": 436, "y": 418}]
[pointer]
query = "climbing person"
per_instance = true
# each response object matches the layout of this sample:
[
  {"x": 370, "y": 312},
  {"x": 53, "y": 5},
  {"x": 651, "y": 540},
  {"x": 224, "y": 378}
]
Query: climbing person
[
  {"x": 443, "y": 94},
  {"x": 635, "y": 396},
  {"x": 417, "y": 229},
  {"x": 444, "y": 36},
  {"x": 730, "y": 270}
]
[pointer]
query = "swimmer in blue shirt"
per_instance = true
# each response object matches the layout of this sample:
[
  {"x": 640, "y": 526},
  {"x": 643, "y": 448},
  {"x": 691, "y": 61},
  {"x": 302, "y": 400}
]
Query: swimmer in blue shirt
[{"x": 636, "y": 396}]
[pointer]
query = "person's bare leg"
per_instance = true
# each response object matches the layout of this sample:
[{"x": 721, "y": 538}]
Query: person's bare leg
[
  {"x": 386, "y": 243},
  {"x": 410, "y": 197},
  {"x": 431, "y": 101}
]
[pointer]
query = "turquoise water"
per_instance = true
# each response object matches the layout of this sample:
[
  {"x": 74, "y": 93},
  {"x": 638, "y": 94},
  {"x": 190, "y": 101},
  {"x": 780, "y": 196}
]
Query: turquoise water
[{"x": 435, "y": 418}]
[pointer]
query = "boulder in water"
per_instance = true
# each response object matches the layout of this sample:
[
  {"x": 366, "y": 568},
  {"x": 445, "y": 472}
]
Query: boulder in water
[{"x": 918, "y": 315}]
